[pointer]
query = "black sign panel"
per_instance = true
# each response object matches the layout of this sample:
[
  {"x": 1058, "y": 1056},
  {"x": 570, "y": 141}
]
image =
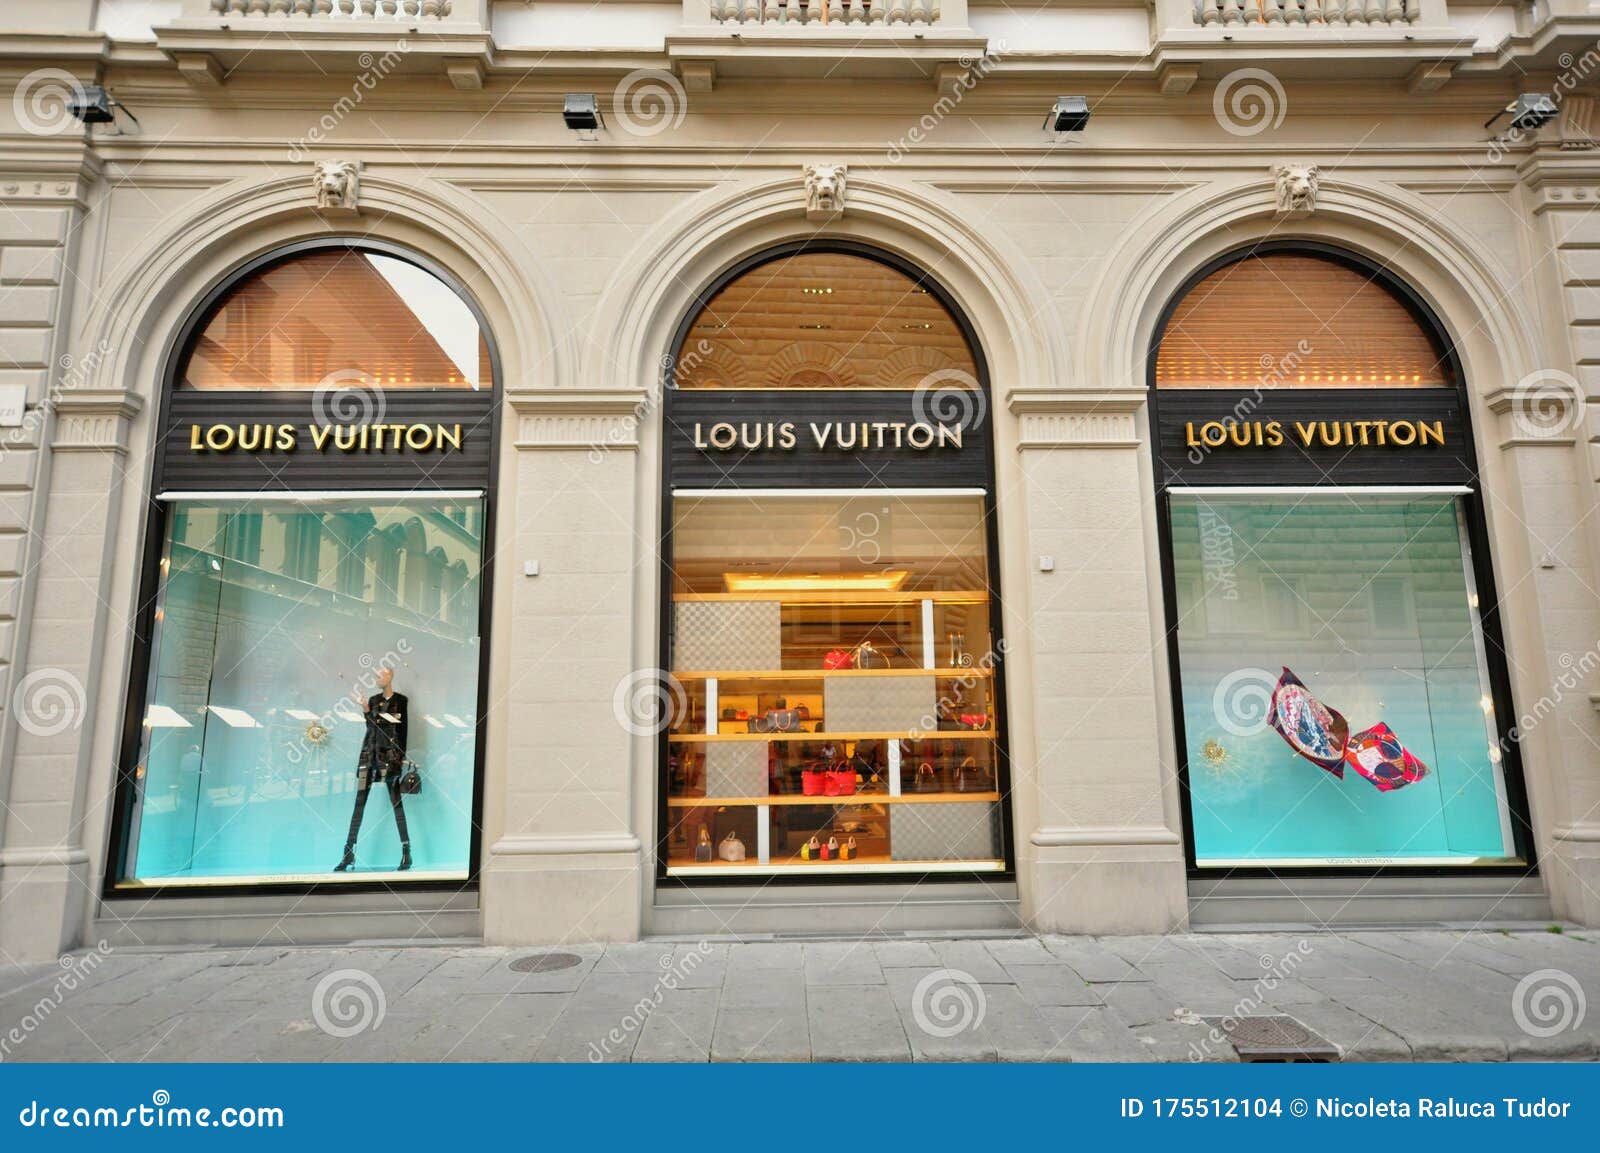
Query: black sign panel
[
  {"x": 856, "y": 438},
  {"x": 1313, "y": 437},
  {"x": 330, "y": 441}
]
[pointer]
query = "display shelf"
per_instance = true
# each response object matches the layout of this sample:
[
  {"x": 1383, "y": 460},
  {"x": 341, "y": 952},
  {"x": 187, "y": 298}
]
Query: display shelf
[
  {"x": 851, "y": 799},
  {"x": 898, "y": 735},
  {"x": 957, "y": 673},
  {"x": 863, "y": 864},
  {"x": 841, "y": 597}
]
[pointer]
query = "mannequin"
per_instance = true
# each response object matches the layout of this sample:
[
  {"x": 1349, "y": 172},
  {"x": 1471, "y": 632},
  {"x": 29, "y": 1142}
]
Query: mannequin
[{"x": 383, "y": 756}]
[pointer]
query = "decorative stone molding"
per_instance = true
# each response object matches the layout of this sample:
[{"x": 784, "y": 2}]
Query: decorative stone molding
[
  {"x": 565, "y": 844},
  {"x": 580, "y": 419},
  {"x": 1576, "y": 123},
  {"x": 1144, "y": 835},
  {"x": 825, "y": 191},
  {"x": 337, "y": 185},
  {"x": 1062, "y": 419},
  {"x": 1543, "y": 409},
  {"x": 1296, "y": 186},
  {"x": 93, "y": 419}
]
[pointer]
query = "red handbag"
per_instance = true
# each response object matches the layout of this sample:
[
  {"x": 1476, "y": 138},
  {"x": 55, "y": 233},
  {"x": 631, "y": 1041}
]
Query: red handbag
[
  {"x": 814, "y": 780},
  {"x": 837, "y": 659},
  {"x": 841, "y": 780},
  {"x": 975, "y": 720}
]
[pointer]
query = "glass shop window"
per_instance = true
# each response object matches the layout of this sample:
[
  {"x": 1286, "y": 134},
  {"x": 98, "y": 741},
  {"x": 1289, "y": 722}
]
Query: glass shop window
[
  {"x": 834, "y": 682},
  {"x": 339, "y": 318},
  {"x": 1336, "y": 701},
  {"x": 282, "y": 629}
]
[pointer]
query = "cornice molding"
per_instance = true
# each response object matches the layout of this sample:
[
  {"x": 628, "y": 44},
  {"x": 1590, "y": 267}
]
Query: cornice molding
[
  {"x": 1066, "y": 418},
  {"x": 591, "y": 419},
  {"x": 93, "y": 419}
]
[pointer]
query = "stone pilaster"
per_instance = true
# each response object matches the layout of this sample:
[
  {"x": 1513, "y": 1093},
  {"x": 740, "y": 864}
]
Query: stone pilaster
[
  {"x": 562, "y": 858},
  {"x": 45, "y": 869},
  {"x": 1100, "y": 853}
]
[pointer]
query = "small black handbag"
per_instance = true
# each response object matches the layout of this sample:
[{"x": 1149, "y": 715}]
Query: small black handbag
[{"x": 411, "y": 779}]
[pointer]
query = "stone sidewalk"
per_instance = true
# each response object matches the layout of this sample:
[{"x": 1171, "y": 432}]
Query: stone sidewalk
[{"x": 1376, "y": 995}]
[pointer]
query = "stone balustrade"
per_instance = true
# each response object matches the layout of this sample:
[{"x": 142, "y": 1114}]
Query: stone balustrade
[
  {"x": 338, "y": 9},
  {"x": 826, "y": 13},
  {"x": 1309, "y": 13}
]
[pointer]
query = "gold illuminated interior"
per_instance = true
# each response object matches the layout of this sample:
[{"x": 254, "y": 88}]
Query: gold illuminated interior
[
  {"x": 1296, "y": 320},
  {"x": 824, "y": 320},
  {"x": 815, "y": 582}
]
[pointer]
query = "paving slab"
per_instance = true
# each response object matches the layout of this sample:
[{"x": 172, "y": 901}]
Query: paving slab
[
  {"x": 681, "y": 1029},
  {"x": 841, "y": 964},
  {"x": 746, "y": 1033},
  {"x": 855, "y": 1023},
  {"x": 1054, "y": 985},
  {"x": 1091, "y": 960}
]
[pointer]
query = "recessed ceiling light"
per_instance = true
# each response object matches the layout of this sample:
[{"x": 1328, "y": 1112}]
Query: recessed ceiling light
[
  {"x": 816, "y": 326},
  {"x": 924, "y": 325},
  {"x": 812, "y": 290}
]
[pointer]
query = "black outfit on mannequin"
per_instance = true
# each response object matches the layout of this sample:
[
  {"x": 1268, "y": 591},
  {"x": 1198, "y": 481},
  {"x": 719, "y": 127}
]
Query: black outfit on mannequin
[{"x": 383, "y": 756}]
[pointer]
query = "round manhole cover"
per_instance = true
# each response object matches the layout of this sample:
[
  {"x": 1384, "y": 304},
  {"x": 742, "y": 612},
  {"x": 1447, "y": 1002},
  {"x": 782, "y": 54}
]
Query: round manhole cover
[{"x": 545, "y": 962}]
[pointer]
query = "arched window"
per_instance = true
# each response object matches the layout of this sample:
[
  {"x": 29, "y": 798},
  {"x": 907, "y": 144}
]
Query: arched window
[
  {"x": 1336, "y": 658},
  {"x": 334, "y": 316},
  {"x": 832, "y": 622},
  {"x": 1297, "y": 319},
  {"x": 326, "y": 407}
]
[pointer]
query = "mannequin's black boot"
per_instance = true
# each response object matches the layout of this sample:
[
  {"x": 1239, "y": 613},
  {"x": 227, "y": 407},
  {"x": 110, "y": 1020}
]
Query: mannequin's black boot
[
  {"x": 348, "y": 860},
  {"x": 405, "y": 857}
]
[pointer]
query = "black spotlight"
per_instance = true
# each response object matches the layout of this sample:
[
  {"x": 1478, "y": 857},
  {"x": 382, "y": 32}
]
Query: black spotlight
[
  {"x": 1528, "y": 111},
  {"x": 91, "y": 104},
  {"x": 581, "y": 111},
  {"x": 1070, "y": 114}
]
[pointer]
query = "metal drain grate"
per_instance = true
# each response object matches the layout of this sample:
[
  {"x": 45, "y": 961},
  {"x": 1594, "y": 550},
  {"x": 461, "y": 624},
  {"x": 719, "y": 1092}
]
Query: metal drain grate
[
  {"x": 545, "y": 962},
  {"x": 1274, "y": 1038}
]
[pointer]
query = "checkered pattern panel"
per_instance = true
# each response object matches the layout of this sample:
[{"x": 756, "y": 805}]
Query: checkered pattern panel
[
  {"x": 879, "y": 704},
  {"x": 736, "y": 769},
  {"x": 711, "y": 635},
  {"x": 941, "y": 831}
]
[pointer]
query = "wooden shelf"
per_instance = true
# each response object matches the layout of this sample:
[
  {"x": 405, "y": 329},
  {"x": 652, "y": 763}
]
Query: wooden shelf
[
  {"x": 822, "y": 674},
  {"x": 863, "y": 864},
  {"x": 902, "y": 735},
  {"x": 841, "y": 597},
  {"x": 852, "y": 799}
]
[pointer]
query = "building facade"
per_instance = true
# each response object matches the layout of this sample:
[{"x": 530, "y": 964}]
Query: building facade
[{"x": 727, "y": 468}]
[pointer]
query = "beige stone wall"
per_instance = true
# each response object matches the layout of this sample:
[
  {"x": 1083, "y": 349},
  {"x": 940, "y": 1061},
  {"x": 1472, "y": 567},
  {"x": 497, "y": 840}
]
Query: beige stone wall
[{"x": 584, "y": 257}]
